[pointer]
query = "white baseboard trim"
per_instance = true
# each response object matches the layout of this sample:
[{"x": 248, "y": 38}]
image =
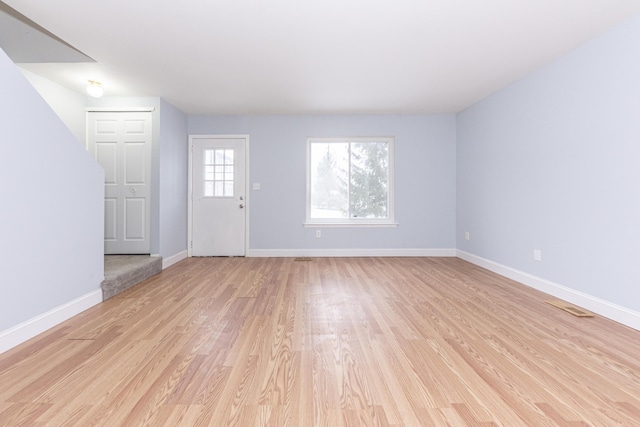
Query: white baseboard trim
[
  {"x": 604, "y": 308},
  {"x": 32, "y": 327},
  {"x": 26, "y": 330},
  {"x": 169, "y": 261},
  {"x": 288, "y": 253}
]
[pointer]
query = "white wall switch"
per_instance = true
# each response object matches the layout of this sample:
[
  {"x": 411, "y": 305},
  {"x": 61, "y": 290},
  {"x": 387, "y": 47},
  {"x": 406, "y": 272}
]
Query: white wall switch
[{"x": 467, "y": 235}]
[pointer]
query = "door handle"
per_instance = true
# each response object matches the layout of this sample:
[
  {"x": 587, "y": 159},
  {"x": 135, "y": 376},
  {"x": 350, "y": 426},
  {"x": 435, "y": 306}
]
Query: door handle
[{"x": 241, "y": 206}]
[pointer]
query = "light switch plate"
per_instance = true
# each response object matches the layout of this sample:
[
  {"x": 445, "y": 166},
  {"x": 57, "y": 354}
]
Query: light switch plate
[{"x": 537, "y": 255}]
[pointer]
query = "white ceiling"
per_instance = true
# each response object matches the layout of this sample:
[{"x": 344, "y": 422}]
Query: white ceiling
[{"x": 316, "y": 56}]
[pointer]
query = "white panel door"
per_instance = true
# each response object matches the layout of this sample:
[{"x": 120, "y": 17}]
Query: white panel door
[
  {"x": 121, "y": 143},
  {"x": 218, "y": 212}
]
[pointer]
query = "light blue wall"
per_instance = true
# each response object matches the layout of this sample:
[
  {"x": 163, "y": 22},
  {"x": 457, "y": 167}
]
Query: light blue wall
[
  {"x": 553, "y": 163},
  {"x": 424, "y": 179},
  {"x": 51, "y": 192},
  {"x": 69, "y": 105},
  {"x": 173, "y": 180}
]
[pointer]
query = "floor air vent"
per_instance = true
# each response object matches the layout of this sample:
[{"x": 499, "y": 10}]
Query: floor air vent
[{"x": 576, "y": 311}]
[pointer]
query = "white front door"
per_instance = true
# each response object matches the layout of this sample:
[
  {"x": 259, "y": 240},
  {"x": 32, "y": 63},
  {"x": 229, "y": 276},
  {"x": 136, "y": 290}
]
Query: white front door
[
  {"x": 218, "y": 211},
  {"x": 121, "y": 143}
]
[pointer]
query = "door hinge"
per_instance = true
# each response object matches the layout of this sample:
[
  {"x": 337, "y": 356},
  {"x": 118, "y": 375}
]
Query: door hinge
[{"x": 191, "y": 244}]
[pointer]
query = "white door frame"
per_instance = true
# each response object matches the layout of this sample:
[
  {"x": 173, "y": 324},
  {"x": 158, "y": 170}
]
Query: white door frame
[{"x": 190, "y": 191}]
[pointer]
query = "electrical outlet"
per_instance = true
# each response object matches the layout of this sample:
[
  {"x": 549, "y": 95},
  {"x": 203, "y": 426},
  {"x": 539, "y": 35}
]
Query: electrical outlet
[
  {"x": 318, "y": 234},
  {"x": 467, "y": 235},
  {"x": 537, "y": 255},
  {"x": 256, "y": 186}
]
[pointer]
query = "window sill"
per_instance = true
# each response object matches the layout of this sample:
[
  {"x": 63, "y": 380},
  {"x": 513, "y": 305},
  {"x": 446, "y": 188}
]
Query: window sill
[{"x": 350, "y": 224}]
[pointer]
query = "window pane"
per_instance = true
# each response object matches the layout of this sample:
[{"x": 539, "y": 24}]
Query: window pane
[
  {"x": 228, "y": 157},
  {"x": 219, "y": 175},
  {"x": 208, "y": 173},
  {"x": 208, "y": 157},
  {"x": 219, "y": 189},
  {"x": 369, "y": 180},
  {"x": 228, "y": 173},
  {"x": 329, "y": 180},
  {"x": 219, "y": 159},
  {"x": 349, "y": 180},
  {"x": 219, "y": 172}
]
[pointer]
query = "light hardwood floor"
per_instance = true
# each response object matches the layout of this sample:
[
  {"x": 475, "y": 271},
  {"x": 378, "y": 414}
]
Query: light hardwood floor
[{"x": 329, "y": 342}]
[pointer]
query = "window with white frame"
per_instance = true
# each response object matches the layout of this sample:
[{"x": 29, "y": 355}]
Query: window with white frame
[
  {"x": 218, "y": 172},
  {"x": 350, "y": 180}
]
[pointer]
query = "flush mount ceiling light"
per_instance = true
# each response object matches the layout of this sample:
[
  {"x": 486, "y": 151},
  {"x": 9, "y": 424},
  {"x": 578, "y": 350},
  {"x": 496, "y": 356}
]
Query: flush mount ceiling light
[{"x": 95, "y": 89}]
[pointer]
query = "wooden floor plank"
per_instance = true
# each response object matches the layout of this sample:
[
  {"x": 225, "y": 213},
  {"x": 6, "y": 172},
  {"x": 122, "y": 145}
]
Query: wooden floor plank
[{"x": 326, "y": 342}]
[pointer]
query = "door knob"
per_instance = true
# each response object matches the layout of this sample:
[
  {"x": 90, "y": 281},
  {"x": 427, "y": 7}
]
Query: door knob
[{"x": 241, "y": 206}]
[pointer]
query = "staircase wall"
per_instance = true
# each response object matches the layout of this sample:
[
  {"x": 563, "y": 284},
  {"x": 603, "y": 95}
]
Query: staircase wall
[{"x": 51, "y": 215}]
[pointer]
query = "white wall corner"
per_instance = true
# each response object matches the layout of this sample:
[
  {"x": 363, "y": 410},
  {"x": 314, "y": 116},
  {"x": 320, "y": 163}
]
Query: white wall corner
[
  {"x": 169, "y": 261},
  {"x": 24, "y": 331},
  {"x": 604, "y": 308}
]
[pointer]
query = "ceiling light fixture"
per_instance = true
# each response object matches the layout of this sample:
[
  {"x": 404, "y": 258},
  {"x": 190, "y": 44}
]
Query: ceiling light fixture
[{"x": 95, "y": 89}]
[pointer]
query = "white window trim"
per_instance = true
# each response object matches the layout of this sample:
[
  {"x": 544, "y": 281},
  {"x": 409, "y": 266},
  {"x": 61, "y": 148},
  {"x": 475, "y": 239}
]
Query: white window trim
[
  {"x": 342, "y": 222},
  {"x": 350, "y": 224}
]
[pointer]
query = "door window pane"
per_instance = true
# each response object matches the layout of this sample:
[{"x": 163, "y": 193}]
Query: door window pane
[{"x": 218, "y": 172}]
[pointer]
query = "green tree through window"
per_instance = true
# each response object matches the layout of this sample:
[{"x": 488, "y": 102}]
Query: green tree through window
[
  {"x": 349, "y": 180},
  {"x": 330, "y": 190},
  {"x": 369, "y": 180}
]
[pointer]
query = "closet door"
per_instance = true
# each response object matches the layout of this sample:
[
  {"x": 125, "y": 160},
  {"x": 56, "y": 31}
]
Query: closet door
[{"x": 121, "y": 143}]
